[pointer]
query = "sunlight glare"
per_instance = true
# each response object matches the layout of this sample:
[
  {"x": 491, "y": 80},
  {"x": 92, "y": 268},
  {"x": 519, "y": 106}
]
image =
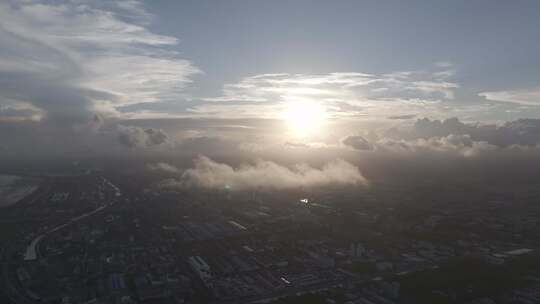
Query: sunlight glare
[{"x": 304, "y": 118}]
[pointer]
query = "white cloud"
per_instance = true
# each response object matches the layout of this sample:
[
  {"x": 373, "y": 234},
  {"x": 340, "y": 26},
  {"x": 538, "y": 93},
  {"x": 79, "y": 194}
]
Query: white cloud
[
  {"x": 91, "y": 56},
  {"x": 266, "y": 175},
  {"x": 342, "y": 94},
  {"x": 517, "y": 132},
  {"x": 451, "y": 136},
  {"x": 454, "y": 144},
  {"x": 131, "y": 136},
  {"x": 528, "y": 97}
]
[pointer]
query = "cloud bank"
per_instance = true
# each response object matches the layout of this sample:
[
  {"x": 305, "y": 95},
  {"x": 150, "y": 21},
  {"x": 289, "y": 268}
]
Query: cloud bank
[
  {"x": 208, "y": 173},
  {"x": 518, "y": 132},
  {"x": 452, "y": 135}
]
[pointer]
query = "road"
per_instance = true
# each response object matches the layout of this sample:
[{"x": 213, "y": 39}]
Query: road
[
  {"x": 33, "y": 254},
  {"x": 13, "y": 291}
]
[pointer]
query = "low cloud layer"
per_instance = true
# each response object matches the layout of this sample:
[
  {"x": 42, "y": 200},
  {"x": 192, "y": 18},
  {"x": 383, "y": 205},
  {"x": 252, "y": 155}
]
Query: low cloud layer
[{"x": 208, "y": 173}]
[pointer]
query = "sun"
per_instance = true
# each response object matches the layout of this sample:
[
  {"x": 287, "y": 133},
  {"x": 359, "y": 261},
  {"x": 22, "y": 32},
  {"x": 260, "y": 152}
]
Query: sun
[{"x": 304, "y": 118}]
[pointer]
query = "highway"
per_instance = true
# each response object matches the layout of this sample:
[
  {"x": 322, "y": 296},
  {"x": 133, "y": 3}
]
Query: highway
[{"x": 12, "y": 290}]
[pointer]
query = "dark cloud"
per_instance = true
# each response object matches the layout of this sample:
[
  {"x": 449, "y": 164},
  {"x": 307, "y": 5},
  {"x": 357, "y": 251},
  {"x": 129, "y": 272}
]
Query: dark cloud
[
  {"x": 402, "y": 117},
  {"x": 357, "y": 142},
  {"x": 61, "y": 101}
]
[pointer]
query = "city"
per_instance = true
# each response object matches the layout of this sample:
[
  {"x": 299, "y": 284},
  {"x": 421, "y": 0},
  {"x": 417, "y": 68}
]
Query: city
[{"x": 92, "y": 239}]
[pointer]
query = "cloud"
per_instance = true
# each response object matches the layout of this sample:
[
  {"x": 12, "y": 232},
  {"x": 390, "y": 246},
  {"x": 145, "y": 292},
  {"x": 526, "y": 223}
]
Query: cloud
[
  {"x": 266, "y": 175},
  {"x": 400, "y": 117},
  {"x": 19, "y": 111},
  {"x": 453, "y": 144},
  {"x": 264, "y": 87},
  {"x": 517, "y": 132},
  {"x": 452, "y": 136},
  {"x": 527, "y": 97},
  {"x": 71, "y": 59},
  {"x": 357, "y": 142},
  {"x": 131, "y": 136},
  {"x": 297, "y": 145},
  {"x": 342, "y": 94},
  {"x": 163, "y": 167}
]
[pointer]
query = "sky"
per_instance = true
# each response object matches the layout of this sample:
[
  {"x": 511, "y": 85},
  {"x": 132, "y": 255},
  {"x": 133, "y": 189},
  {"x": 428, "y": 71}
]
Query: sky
[{"x": 85, "y": 78}]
